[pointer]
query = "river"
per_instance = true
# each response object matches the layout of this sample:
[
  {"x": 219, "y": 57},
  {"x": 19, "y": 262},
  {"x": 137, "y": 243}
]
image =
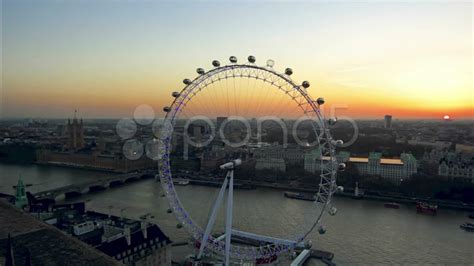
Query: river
[{"x": 361, "y": 233}]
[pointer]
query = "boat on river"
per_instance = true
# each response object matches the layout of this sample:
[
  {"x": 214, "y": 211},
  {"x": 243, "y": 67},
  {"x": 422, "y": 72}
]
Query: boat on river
[
  {"x": 423, "y": 207},
  {"x": 392, "y": 205},
  {"x": 181, "y": 182},
  {"x": 300, "y": 196},
  {"x": 467, "y": 226}
]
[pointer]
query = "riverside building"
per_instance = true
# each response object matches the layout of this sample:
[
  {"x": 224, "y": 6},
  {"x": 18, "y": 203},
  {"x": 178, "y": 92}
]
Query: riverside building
[{"x": 395, "y": 170}]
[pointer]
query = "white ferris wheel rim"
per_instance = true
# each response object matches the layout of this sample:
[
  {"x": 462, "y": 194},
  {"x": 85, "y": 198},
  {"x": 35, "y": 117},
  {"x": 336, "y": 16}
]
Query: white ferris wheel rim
[{"x": 304, "y": 101}]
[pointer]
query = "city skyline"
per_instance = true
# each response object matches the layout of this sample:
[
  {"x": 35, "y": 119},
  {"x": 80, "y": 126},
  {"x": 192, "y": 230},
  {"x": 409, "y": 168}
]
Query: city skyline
[{"x": 404, "y": 59}]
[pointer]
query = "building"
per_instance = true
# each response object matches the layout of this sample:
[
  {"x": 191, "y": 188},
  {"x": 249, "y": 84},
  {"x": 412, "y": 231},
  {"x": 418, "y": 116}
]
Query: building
[
  {"x": 116, "y": 162},
  {"x": 434, "y": 156},
  {"x": 312, "y": 161},
  {"x": 211, "y": 159},
  {"x": 464, "y": 148},
  {"x": 128, "y": 241},
  {"x": 457, "y": 165},
  {"x": 197, "y": 134},
  {"x": 75, "y": 133},
  {"x": 146, "y": 245},
  {"x": 343, "y": 156},
  {"x": 34, "y": 242},
  {"x": 435, "y": 144},
  {"x": 388, "y": 121},
  {"x": 456, "y": 169},
  {"x": 270, "y": 164},
  {"x": 291, "y": 155},
  {"x": 395, "y": 170}
]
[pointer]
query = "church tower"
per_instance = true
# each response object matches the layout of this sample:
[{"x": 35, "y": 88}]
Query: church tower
[
  {"x": 75, "y": 133},
  {"x": 20, "y": 196}
]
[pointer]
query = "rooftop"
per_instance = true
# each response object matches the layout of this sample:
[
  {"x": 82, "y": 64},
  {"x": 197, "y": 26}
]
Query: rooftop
[
  {"x": 375, "y": 155},
  {"x": 382, "y": 161},
  {"x": 137, "y": 239},
  {"x": 391, "y": 161},
  {"x": 46, "y": 244}
]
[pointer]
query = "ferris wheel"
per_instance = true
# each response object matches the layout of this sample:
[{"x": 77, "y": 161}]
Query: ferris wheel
[{"x": 327, "y": 170}]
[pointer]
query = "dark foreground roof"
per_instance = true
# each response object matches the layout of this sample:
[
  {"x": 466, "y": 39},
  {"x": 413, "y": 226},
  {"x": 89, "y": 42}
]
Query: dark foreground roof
[
  {"x": 46, "y": 244},
  {"x": 137, "y": 238}
]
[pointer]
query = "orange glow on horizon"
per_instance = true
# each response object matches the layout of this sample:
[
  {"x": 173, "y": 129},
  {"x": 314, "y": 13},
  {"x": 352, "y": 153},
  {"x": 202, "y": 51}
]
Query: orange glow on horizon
[
  {"x": 121, "y": 101},
  {"x": 407, "y": 60}
]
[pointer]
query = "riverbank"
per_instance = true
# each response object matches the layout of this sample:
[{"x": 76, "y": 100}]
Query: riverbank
[
  {"x": 407, "y": 200},
  {"x": 368, "y": 196},
  {"x": 245, "y": 184},
  {"x": 79, "y": 166}
]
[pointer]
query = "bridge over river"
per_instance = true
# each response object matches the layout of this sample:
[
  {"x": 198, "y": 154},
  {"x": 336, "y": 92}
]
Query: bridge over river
[{"x": 95, "y": 185}]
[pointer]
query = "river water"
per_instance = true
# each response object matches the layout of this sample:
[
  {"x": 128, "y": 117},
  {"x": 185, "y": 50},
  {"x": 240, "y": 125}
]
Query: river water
[{"x": 362, "y": 233}]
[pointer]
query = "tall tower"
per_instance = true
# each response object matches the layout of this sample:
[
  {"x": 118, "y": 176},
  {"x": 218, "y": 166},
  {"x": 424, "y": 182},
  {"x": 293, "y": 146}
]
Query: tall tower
[
  {"x": 388, "y": 121},
  {"x": 75, "y": 133},
  {"x": 101, "y": 143},
  {"x": 20, "y": 196}
]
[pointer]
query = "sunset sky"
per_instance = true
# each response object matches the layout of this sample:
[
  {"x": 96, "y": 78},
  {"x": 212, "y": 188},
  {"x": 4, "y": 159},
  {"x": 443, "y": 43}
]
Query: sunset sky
[{"x": 104, "y": 58}]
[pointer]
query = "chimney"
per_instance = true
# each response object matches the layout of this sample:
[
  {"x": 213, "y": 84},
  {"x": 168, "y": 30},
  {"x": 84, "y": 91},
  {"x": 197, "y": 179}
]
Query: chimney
[
  {"x": 28, "y": 257},
  {"x": 144, "y": 229},
  {"x": 9, "y": 257},
  {"x": 128, "y": 235}
]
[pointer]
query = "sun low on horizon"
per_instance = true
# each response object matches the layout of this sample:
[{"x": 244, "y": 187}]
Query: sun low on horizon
[{"x": 409, "y": 60}]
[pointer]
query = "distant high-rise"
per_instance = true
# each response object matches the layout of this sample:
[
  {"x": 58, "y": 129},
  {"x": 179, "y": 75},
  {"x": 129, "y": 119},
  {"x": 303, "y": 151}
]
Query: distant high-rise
[
  {"x": 75, "y": 133},
  {"x": 388, "y": 121},
  {"x": 197, "y": 133}
]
